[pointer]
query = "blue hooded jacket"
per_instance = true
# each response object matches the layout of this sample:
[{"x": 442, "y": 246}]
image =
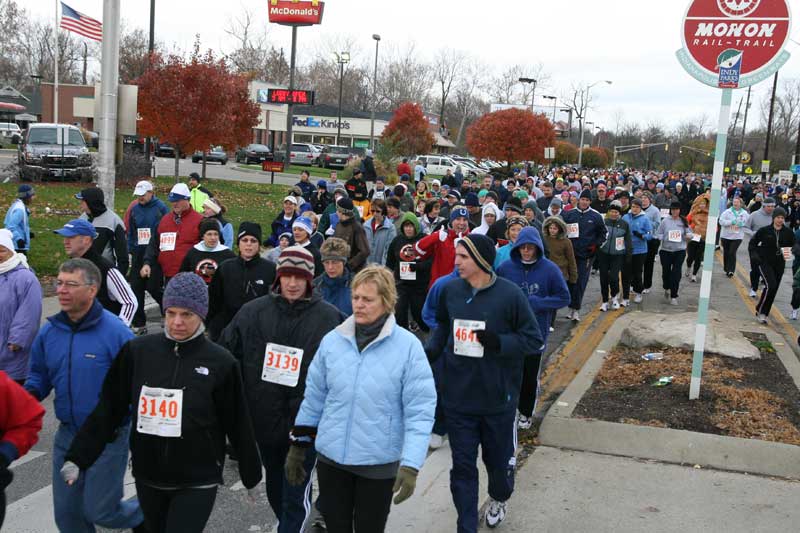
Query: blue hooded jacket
[
  {"x": 541, "y": 282},
  {"x": 639, "y": 224},
  {"x": 148, "y": 215},
  {"x": 73, "y": 359},
  {"x": 336, "y": 291}
]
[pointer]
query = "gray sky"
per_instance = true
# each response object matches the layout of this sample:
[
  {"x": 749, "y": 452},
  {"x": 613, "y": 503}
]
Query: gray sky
[{"x": 631, "y": 42}]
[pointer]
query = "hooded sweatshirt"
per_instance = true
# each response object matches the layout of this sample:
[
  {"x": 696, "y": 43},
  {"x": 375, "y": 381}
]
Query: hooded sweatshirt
[
  {"x": 204, "y": 261},
  {"x": 757, "y": 220},
  {"x": 483, "y": 229},
  {"x": 560, "y": 249},
  {"x": 541, "y": 281},
  {"x": 111, "y": 241},
  {"x": 408, "y": 272},
  {"x": 641, "y": 231}
]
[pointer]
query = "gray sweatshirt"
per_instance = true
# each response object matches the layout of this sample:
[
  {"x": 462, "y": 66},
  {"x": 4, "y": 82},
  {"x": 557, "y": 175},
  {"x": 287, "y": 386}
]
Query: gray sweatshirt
[
  {"x": 663, "y": 233},
  {"x": 654, "y": 214},
  {"x": 757, "y": 220}
]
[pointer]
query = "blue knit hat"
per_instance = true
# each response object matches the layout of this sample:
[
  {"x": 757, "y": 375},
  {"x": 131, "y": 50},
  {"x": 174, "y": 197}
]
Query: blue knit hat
[
  {"x": 471, "y": 200},
  {"x": 459, "y": 212},
  {"x": 187, "y": 290}
]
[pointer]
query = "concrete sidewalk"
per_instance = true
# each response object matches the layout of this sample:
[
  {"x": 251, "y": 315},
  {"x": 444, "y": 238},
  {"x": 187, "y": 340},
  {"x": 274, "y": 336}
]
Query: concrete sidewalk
[{"x": 578, "y": 491}]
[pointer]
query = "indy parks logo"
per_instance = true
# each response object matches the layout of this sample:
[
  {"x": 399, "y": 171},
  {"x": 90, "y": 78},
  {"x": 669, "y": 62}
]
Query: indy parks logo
[{"x": 738, "y": 8}]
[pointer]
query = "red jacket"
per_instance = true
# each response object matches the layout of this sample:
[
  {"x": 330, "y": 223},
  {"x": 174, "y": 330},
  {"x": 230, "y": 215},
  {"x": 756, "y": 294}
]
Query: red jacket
[
  {"x": 443, "y": 252},
  {"x": 20, "y": 420},
  {"x": 403, "y": 168},
  {"x": 188, "y": 235}
]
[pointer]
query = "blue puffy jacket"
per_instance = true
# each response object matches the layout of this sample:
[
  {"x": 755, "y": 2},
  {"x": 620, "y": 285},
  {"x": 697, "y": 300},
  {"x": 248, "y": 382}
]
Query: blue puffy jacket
[
  {"x": 542, "y": 282},
  {"x": 17, "y": 221},
  {"x": 371, "y": 407},
  {"x": 148, "y": 215},
  {"x": 336, "y": 291},
  {"x": 74, "y": 360},
  {"x": 592, "y": 231},
  {"x": 639, "y": 224}
]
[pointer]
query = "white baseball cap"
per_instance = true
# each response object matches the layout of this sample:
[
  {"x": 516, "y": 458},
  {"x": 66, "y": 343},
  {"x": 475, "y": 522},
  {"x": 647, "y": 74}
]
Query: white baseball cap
[
  {"x": 142, "y": 187},
  {"x": 290, "y": 199},
  {"x": 180, "y": 191}
]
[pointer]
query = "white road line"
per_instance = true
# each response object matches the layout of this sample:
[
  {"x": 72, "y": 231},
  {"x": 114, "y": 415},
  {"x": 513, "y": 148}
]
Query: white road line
[
  {"x": 30, "y": 456},
  {"x": 34, "y": 512}
]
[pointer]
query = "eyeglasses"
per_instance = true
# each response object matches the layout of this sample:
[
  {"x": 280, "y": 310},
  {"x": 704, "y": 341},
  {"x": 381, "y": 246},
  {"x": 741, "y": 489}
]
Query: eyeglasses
[{"x": 69, "y": 285}]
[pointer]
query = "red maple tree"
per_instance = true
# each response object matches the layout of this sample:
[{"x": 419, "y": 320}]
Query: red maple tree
[
  {"x": 408, "y": 132},
  {"x": 195, "y": 104},
  {"x": 510, "y": 135}
]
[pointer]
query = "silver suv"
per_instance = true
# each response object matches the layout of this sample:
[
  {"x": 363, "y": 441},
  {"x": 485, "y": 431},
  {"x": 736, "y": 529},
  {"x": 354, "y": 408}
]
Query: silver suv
[
  {"x": 46, "y": 153},
  {"x": 10, "y": 133}
]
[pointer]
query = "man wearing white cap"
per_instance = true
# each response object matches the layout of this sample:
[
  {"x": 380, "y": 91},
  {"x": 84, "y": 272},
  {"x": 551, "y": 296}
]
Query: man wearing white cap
[
  {"x": 283, "y": 221},
  {"x": 175, "y": 235},
  {"x": 146, "y": 215}
]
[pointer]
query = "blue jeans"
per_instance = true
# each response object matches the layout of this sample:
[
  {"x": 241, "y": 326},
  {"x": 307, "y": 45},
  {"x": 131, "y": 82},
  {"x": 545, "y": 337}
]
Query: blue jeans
[
  {"x": 584, "y": 270},
  {"x": 290, "y": 503},
  {"x": 96, "y": 498}
]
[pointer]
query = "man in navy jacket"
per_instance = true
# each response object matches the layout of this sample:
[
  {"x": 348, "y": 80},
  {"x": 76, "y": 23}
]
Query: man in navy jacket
[
  {"x": 72, "y": 354},
  {"x": 484, "y": 329},
  {"x": 587, "y": 231}
]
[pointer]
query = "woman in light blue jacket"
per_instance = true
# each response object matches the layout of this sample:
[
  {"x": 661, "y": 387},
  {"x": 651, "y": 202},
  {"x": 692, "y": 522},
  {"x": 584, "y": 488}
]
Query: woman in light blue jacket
[
  {"x": 641, "y": 232},
  {"x": 368, "y": 408},
  {"x": 380, "y": 233}
]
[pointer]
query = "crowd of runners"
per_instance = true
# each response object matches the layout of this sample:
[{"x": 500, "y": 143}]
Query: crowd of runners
[{"x": 365, "y": 324}]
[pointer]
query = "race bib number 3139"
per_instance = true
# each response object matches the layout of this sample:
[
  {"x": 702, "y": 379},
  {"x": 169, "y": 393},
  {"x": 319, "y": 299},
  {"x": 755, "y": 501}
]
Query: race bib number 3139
[
  {"x": 160, "y": 411},
  {"x": 282, "y": 364}
]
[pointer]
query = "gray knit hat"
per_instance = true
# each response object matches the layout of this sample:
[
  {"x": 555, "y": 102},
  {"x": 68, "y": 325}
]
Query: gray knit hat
[{"x": 188, "y": 290}]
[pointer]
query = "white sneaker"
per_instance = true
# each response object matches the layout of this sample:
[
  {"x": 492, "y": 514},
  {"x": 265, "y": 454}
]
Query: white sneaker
[
  {"x": 496, "y": 513},
  {"x": 794, "y": 314},
  {"x": 666, "y": 294},
  {"x": 753, "y": 293},
  {"x": 524, "y": 422},
  {"x": 638, "y": 298},
  {"x": 604, "y": 306},
  {"x": 552, "y": 329},
  {"x": 614, "y": 303},
  {"x": 673, "y": 301},
  {"x": 688, "y": 272},
  {"x": 625, "y": 303},
  {"x": 694, "y": 278},
  {"x": 645, "y": 291},
  {"x": 762, "y": 318},
  {"x": 436, "y": 442}
]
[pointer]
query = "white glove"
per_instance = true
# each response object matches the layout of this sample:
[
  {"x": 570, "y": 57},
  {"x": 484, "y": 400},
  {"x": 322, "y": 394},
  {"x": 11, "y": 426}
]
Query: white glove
[
  {"x": 70, "y": 472},
  {"x": 330, "y": 231},
  {"x": 442, "y": 234}
]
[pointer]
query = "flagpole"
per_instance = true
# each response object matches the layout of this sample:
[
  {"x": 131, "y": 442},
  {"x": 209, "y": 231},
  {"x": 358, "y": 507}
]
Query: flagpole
[{"x": 55, "y": 68}]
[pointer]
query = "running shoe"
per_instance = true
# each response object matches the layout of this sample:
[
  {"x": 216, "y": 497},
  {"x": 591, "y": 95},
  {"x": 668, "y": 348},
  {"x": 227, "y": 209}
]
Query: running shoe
[
  {"x": 604, "y": 306},
  {"x": 552, "y": 329},
  {"x": 645, "y": 291},
  {"x": 666, "y": 294},
  {"x": 638, "y": 298},
  {"x": 673, "y": 301},
  {"x": 524, "y": 422},
  {"x": 753, "y": 293},
  {"x": 762, "y": 318},
  {"x": 794, "y": 314},
  {"x": 496, "y": 513},
  {"x": 614, "y": 303},
  {"x": 625, "y": 302},
  {"x": 694, "y": 278}
]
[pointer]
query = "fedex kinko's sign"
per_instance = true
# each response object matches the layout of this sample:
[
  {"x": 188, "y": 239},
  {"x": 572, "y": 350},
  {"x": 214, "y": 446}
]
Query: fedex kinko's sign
[
  {"x": 734, "y": 43},
  {"x": 295, "y": 12}
]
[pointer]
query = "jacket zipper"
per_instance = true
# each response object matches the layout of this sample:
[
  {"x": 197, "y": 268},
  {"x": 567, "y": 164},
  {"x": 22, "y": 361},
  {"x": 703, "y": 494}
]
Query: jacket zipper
[
  {"x": 172, "y": 385},
  {"x": 69, "y": 380},
  {"x": 352, "y": 407}
]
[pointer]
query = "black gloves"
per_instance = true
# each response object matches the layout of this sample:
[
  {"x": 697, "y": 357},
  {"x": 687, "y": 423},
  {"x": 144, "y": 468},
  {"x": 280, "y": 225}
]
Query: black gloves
[
  {"x": 412, "y": 267},
  {"x": 638, "y": 234},
  {"x": 20, "y": 244},
  {"x": 489, "y": 340},
  {"x": 32, "y": 235}
]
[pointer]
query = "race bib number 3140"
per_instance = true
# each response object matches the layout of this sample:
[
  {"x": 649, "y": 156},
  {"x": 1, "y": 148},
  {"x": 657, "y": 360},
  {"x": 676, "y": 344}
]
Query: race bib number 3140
[{"x": 160, "y": 411}]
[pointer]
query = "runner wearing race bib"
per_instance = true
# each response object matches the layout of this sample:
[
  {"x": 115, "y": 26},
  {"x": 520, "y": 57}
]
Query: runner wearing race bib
[
  {"x": 673, "y": 233},
  {"x": 275, "y": 337},
  {"x": 185, "y": 397},
  {"x": 612, "y": 256}
]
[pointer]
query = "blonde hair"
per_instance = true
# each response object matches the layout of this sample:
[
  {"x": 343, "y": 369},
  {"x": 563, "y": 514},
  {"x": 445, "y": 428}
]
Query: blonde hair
[{"x": 383, "y": 279}]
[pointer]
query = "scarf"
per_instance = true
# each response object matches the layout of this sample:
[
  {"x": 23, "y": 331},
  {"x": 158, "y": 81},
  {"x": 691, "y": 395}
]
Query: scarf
[
  {"x": 367, "y": 333},
  {"x": 13, "y": 262}
]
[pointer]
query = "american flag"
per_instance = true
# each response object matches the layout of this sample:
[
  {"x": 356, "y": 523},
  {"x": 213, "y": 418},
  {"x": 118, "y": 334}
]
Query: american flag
[{"x": 81, "y": 24}]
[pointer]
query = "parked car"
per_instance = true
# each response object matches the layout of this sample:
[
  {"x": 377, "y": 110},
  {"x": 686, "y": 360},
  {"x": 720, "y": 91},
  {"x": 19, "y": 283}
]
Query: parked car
[
  {"x": 10, "y": 133},
  {"x": 334, "y": 157},
  {"x": 214, "y": 154},
  {"x": 253, "y": 154},
  {"x": 166, "y": 150},
  {"x": 301, "y": 154},
  {"x": 42, "y": 156},
  {"x": 438, "y": 165},
  {"x": 469, "y": 167}
]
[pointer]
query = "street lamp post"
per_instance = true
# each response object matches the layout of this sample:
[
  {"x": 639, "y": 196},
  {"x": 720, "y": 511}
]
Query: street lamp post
[
  {"x": 533, "y": 93},
  {"x": 553, "y": 98},
  {"x": 583, "y": 120},
  {"x": 374, "y": 93},
  {"x": 598, "y": 135},
  {"x": 342, "y": 58}
]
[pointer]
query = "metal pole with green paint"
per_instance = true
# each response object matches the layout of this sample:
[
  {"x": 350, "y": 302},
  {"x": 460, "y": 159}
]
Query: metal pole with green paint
[{"x": 711, "y": 237}]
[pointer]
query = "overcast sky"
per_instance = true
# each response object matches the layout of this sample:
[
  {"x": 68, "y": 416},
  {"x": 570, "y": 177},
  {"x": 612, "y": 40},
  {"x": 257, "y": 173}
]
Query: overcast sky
[{"x": 630, "y": 42}]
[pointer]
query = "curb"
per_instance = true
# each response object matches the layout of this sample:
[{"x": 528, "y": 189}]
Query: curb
[{"x": 560, "y": 429}]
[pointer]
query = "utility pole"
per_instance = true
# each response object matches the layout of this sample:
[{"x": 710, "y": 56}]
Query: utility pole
[
  {"x": 109, "y": 87},
  {"x": 290, "y": 110},
  {"x": 733, "y": 130},
  {"x": 769, "y": 126},
  {"x": 744, "y": 124},
  {"x": 374, "y": 94},
  {"x": 85, "y": 59}
]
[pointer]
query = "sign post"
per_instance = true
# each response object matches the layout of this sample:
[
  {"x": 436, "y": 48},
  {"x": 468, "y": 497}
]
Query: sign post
[{"x": 728, "y": 44}]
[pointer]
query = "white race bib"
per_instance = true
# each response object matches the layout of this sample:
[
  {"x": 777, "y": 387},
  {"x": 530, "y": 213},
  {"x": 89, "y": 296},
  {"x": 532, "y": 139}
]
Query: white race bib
[
  {"x": 573, "y": 231},
  {"x": 167, "y": 240},
  {"x": 734, "y": 228},
  {"x": 282, "y": 364},
  {"x": 143, "y": 235},
  {"x": 360, "y": 211},
  {"x": 664, "y": 213},
  {"x": 696, "y": 237},
  {"x": 465, "y": 341},
  {"x": 674, "y": 235},
  {"x": 619, "y": 243},
  {"x": 160, "y": 411},
  {"x": 406, "y": 272}
]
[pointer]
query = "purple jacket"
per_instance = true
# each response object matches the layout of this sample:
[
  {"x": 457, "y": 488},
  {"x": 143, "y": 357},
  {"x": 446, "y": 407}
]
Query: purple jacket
[{"x": 20, "y": 313}]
